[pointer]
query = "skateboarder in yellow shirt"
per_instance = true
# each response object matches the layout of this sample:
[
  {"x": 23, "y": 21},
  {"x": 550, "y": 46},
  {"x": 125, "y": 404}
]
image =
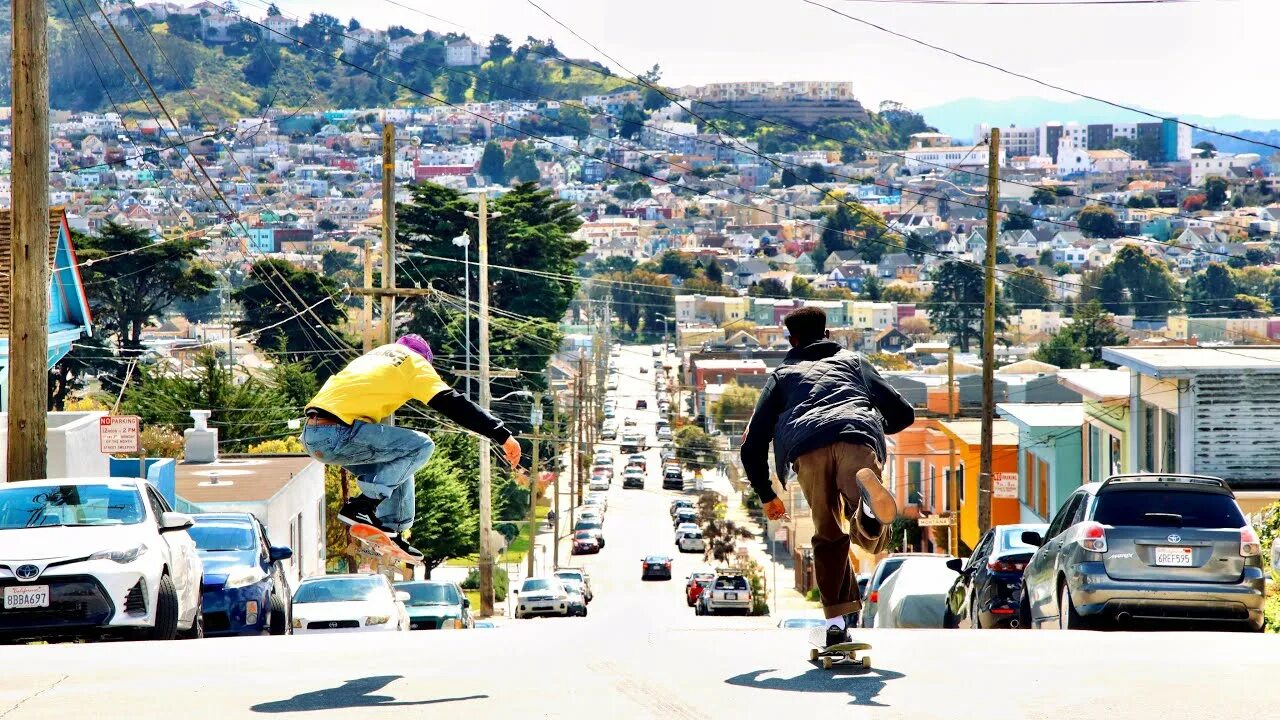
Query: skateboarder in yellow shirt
[{"x": 343, "y": 428}]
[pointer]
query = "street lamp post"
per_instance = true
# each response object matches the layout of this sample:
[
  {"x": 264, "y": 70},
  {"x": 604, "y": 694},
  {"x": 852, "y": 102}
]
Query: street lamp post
[{"x": 464, "y": 241}]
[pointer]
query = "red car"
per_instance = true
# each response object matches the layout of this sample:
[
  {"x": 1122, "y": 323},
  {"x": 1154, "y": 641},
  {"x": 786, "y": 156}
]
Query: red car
[
  {"x": 584, "y": 543},
  {"x": 696, "y": 584}
]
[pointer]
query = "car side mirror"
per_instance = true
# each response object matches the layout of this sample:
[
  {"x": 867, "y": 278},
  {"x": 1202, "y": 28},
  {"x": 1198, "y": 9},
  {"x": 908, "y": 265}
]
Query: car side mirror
[
  {"x": 955, "y": 565},
  {"x": 277, "y": 554},
  {"x": 1033, "y": 538},
  {"x": 466, "y": 602},
  {"x": 402, "y": 596},
  {"x": 171, "y": 521},
  {"x": 515, "y": 592}
]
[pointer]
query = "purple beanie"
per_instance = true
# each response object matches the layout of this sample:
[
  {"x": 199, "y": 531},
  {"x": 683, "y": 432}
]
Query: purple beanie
[{"x": 416, "y": 344}]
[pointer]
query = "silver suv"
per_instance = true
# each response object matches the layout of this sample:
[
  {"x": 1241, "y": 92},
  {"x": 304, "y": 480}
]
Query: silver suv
[{"x": 1145, "y": 547}]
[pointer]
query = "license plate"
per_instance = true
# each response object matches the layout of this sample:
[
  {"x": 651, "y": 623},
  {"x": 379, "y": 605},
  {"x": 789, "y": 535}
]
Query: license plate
[
  {"x": 1173, "y": 556},
  {"x": 731, "y": 596},
  {"x": 26, "y": 596}
]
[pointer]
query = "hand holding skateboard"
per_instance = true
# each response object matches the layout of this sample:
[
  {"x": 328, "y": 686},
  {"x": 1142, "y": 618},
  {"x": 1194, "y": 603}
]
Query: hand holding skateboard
[
  {"x": 511, "y": 449},
  {"x": 776, "y": 510}
]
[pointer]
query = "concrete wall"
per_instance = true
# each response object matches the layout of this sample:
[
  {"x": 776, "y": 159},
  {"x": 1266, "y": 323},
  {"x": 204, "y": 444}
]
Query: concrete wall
[{"x": 73, "y": 445}]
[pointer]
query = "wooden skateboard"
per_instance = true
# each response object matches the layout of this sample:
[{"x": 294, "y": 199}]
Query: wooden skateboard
[
  {"x": 840, "y": 654},
  {"x": 378, "y": 543}
]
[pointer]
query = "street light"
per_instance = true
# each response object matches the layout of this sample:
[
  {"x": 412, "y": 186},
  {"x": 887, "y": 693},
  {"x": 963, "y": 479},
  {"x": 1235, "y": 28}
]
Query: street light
[
  {"x": 464, "y": 241},
  {"x": 513, "y": 393}
]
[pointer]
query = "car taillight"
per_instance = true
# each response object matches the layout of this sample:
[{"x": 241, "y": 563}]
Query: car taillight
[
  {"x": 874, "y": 596},
  {"x": 1005, "y": 566},
  {"x": 1093, "y": 538},
  {"x": 1250, "y": 545},
  {"x": 668, "y": 563}
]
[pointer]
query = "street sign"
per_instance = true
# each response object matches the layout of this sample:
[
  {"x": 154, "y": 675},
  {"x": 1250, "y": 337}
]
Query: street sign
[
  {"x": 780, "y": 535},
  {"x": 1006, "y": 486},
  {"x": 118, "y": 434},
  {"x": 934, "y": 521}
]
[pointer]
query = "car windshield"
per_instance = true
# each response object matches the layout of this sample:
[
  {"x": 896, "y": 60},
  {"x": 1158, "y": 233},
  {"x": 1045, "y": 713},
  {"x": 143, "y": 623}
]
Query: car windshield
[
  {"x": 23, "y": 506},
  {"x": 657, "y": 559},
  {"x": 1011, "y": 538},
  {"x": 731, "y": 583},
  {"x": 223, "y": 537},
  {"x": 587, "y": 526},
  {"x": 889, "y": 568},
  {"x": 582, "y": 535},
  {"x": 337, "y": 590},
  {"x": 430, "y": 594},
  {"x": 569, "y": 575},
  {"x": 802, "y": 623},
  {"x": 535, "y": 584},
  {"x": 1168, "y": 509}
]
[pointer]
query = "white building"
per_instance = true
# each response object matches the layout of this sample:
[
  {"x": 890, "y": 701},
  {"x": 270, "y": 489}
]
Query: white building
[
  {"x": 279, "y": 29},
  {"x": 1220, "y": 164},
  {"x": 968, "y": 158},
  {"x": 465, "y": 53}
]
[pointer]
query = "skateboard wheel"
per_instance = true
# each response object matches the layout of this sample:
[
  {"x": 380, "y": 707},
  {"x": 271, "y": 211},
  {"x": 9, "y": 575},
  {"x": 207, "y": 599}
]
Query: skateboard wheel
[
  {"x": 813, "y": 654},
  {"x": 826, "y": 663},
  {"x": 866, "y": 662}
]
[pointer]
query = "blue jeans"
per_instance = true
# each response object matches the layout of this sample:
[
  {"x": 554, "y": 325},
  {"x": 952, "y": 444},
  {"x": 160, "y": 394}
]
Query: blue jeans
[{"x": 384, "y": 459}]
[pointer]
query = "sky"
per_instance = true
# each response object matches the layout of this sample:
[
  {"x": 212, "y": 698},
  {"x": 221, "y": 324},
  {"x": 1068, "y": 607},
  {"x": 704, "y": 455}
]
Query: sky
[{"x": 1190, "y": 57}]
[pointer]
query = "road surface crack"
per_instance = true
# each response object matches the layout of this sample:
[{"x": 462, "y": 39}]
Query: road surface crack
[{"x": 33, "y": 696}]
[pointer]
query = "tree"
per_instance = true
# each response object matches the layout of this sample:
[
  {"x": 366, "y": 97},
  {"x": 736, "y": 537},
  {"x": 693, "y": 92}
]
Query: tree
[
  {"x": 493, "y": 162},
  {"x": 955, "y": 305},
  {"x": 499, "y": 47},
  {"x": 900, "y": 292},
  {"x": 445, "y": 525},
  {"x": 1215, "y": 191},
  {"x": 835, "y": 232},
  {"x": 872, "y": 289},
  {"x": 918, "y": 245},
  {"x": 89, "y": 357},
  {"x": 186, "y": 27},
  {"x": 1043, "y": 196},
  {"x": 916, "y": 327},
  {"x": 888, "y": 361},
  {"x": 714, "y": 273},
  {"x": 768, "y": 288},
  {"x": 1195, "y": 202},
  {"x": 1046, "y": 258},
  {"x": 801, "y": 288},
  {"x": 1026, "y": 289},
  {"x": 695, "y": 448},
  {"x": 789, "y": 178},
  {"x": 131, "y": 281},
  {"x": 631, "y": 121},
  {"x": 262, "y": 64},
  {"x": 1098, "y": 221},
  {"x": 677, "y": 264},
  {"x": 201, "y": 309},
  {"x": 335, "y": 262},
  {"x": 1140, "y": 201},
  {"x": 1091, "y": 329},
  {"x": 734, "y": 408},
  {"x": 1208, "y": 148},
  {"x": 1133, "y": 284},
  {"x": 1209, "y": 292},
  {"x": 326, "y": 225},
  {"x": 523, "y": 165},
  {"x": 1018, "y": 220},
  {"x": 283, "y": 304}
]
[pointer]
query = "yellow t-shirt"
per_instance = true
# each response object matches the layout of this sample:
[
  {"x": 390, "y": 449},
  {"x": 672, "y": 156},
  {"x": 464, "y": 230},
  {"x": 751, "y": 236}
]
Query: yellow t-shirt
[{"x": 375, "y": 384}]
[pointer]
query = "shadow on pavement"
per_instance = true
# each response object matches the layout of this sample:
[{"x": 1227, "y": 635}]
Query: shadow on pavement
[
  {"x": 352, "y": 694},
  {"x": 863, "y": 685}
]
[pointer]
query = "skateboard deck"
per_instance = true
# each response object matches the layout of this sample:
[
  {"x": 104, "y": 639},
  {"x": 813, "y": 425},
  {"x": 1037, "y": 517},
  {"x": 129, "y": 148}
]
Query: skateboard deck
[
  {"x": 378, "y": 542},
  {"x": 840, "y": 654}
]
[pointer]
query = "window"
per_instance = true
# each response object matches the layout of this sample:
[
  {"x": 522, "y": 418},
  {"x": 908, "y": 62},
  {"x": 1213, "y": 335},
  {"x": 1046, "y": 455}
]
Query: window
[
  {"x": 933, "y": 487},
  {"x": 1115, "y": 454},
  {"x": 295, "y": 541},
  {"x": 1062, "y": 520},
  {"x": 1028, "y": 478},
  {"x": 1148, "y": 438},
  {"x": 1169, "y": 441},
  {"x": 1095, "y": 451},
  {"x": 983, "y": 550},
  {"x": 1042, "y": 489},
  {"x": 914, "y": 472},
  {"x": 960, "y": 482}
]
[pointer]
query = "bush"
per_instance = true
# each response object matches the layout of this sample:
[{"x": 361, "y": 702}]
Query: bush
[
  {"x": 813, "y": 595},
  {"x": 500, "y": 581},
  {"x": 161, "y": 441},
  {"x": 1268, "y": 531},
  {"x": 1271, "y": 614}
]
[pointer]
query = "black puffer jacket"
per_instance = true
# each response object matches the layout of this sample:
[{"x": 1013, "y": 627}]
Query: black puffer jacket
[{"x": 820, "y": 395}]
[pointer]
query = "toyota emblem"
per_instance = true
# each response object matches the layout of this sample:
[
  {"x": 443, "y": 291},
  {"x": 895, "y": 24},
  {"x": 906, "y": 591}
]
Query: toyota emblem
[
  {"x": 27, "y": 572},
  {"x": 333, "y": 624},
  {"x": 1175, "y": 538}
]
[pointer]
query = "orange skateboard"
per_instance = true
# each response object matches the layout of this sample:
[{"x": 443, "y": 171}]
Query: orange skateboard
[{"x": 378, "y": 542}]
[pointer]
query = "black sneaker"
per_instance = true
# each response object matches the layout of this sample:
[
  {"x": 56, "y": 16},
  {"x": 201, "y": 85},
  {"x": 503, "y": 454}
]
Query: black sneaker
[
  {"x": 837, "y": 635},
  {"x": 404, "y": 545},
  {"x": 359, "y": 510}
]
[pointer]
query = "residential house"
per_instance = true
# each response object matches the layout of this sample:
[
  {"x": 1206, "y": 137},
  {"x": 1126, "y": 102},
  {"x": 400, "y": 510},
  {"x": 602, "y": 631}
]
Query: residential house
[
  {"x": 465, "y": 53},
  {"x": 1049, "y": 461},
  {"x": 888, "y": 340},
  {"x": 1105, "y": 434},
  {"x": 965, "y": 437},
  {"x": 840, "y": 258}
]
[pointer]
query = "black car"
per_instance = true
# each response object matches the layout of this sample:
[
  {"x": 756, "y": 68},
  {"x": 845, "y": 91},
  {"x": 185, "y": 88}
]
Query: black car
[
  {"x": 656, "y": 566},
  {"x": 672, "y": 479},
  {"x": 684, "y": 515},
  {"x": 632, "y": 482},
  {"x": 985, "y": 595}
]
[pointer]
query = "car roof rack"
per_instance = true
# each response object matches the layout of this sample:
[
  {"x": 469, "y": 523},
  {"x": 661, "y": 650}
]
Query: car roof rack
[{"x": 1206, "y": 480}]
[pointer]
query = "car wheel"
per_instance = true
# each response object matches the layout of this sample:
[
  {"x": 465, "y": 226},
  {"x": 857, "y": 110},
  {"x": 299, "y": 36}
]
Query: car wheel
[
  {"x": 1024, "y": 611},
  {"x": 278, "y": 623},
  {"x": 166, "y": 625},
  {"x": 196, "y": 631},
  {"x": 697, "y": 609},
  {"x": 975, "y": 618},
  {"x": 1068, "y": 618}
]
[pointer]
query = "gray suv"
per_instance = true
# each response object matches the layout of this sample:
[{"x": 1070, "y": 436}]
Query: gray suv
[{"x": 1145, "y": 547}]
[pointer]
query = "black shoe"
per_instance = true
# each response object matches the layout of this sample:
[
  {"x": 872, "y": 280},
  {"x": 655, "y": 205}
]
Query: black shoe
[
  {"x": 359, "y": 510},
  {"x": 404, "y": 545},
  {"x": 837, "y": 635}
]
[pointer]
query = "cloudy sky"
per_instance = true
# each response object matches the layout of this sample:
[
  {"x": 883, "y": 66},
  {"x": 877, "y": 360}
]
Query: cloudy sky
[{"x": 1185, "y": 57}]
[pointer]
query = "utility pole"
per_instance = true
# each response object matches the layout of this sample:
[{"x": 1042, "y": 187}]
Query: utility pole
[
  {"x": 535, "y": 420},
  {"x": 953, "y": 489},
  {"x": 388, "y": 231},
  {"x": 486, "y": 459},
  {"x": 555, "y": 524},
  {"x": 366, "y": 312},
  {"x": 29, "y": 245},
  {"x": 989, "y": 333}
]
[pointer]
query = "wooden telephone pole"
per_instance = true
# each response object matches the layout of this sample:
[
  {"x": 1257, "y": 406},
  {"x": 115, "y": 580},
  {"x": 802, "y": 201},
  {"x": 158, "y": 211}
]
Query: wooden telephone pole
[
  {"x": 29, "y": 245},
  {"x": 989, "y": 333}
]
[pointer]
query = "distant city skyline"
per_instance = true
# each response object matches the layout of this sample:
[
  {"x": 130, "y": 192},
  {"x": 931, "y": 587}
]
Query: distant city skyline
[{"x": 1136, "y": 54}]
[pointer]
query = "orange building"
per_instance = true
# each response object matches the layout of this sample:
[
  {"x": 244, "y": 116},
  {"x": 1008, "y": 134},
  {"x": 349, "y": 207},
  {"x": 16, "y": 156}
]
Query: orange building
[{"x": 967, "y": 437}]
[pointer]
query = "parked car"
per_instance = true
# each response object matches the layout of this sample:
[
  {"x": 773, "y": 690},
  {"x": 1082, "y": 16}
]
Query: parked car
[
  {"x": 664, "y": 433},
  {"x": 695, "y": 585},
  {"x": 608, "y": 433},
  {"x": 683, "y": 528},
  {"x": 680, "y": 502},
  {"x": 642, "y": 404},
  {"x": 594, "y": 528},
  {"x": 883, "y": 571},
  {"x": 655, "y": 566},
  {"x": 657, "y": 350},
  {"x": 587, "y": 514},
  {"x": 632, "y": 480},
  {"x": 597, "y": 499},
  {"x": 1146, "y": 547},
  {"x": 244, "y": 590},
  {"x": 541, "y": 596},
  {"x": 577, "y": 598},
  {"x": 729, "y": 593},
  {"x": 692, "y": 541},
  {"x": 629, "y": 422},
  {"x": 599, "y": 483},
  {"x": 93, "y": 557},
  {"x": 915, "y": 595},
  {"x": 684, "y": 515},
  {"x": 638, "y": 460},
  {"x": 434, "y": 605},
  {"x": 800, "y": 623},
  {"x": 986, "y": 592},
  {"x": 358, "y": 602},
  {"x": 644, "y": 370},
  {"x": 672, "y": 478},
  {"x": 577, "y": 575},
  {"x": 633, "y": 442},
  {"x": 585, "y": 543}
]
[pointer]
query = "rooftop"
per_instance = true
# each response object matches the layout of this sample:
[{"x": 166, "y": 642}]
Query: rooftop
[
  {"x": 1097, "y": 384},
  {"x": 1185, "y": 361},
  {"x": 1044, "y": 415},
  {"x": 969, "y": 432},
  {"x": 254, "y": 478}
]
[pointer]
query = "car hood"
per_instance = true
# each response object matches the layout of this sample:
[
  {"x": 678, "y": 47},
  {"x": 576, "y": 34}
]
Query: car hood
[
  {"x": 218, "y": 565},
  {"x": 60, "y": 542},
  {"x": 346, "y": 610}
]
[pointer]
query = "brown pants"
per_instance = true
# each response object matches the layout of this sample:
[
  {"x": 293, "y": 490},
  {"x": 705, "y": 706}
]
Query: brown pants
[{"x": 826, "y": 477}]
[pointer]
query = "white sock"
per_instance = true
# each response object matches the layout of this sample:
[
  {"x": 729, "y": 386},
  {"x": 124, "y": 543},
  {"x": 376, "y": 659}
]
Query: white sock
[{"x": 836, "y": 622}]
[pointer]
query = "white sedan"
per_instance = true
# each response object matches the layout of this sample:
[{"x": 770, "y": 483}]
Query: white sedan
[
  {"x": 363, "y": 602},
  {"x": 96, "y": 556}
]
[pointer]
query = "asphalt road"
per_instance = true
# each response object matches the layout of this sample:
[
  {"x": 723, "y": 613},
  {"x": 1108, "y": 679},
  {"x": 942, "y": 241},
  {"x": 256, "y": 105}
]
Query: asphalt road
[{"x": 641, "y": 653}]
